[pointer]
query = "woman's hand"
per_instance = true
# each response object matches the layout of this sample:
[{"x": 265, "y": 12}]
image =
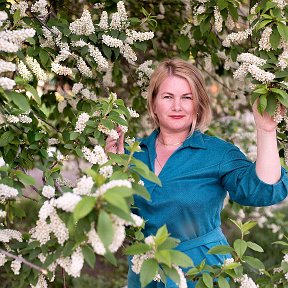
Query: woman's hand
[
  {"x": 115, "y": 146},
  {"x": 263, "y": 122}
]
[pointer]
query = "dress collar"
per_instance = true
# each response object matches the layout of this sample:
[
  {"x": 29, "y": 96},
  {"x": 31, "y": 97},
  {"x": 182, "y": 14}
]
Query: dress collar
[{"x": 195, "y": 140}]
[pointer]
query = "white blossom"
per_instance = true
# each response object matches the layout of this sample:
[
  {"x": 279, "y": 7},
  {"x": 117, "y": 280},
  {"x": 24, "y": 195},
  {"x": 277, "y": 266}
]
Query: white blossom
[
  {"x": 6, "y": 66},
  {"x": 280, "y": 3},
  {"x": 40, "y": 8},
  {"x": 76, "y": 88},
  {"x": 138, "y": 221},
  {"x": 138, "y": 36},
  {"x": 67, "y": 201},
  {"x": 84, "y": 186},
  {"x": 283, "y": 60},
  {"x": 7, "y": 234},
  {"x": 95, "y": 241},
  {"x": 24, "y": 72},
  {"x": 2, "y": 162},
  {"x": 236, "y": 37},
  {"x": 41, "y": 283},
  {"x": 83, "y": 25},
  {"x": 96, "y": 156},
  {"x": 81, "y": 122},
  {"x": 260, "y": 75},
  {"x": 111, "y": 41},
  {"x": 77, "y": 262},
  {"x": 230, "y": 24},
  {"x": 228, "y": 261},
  {"x": 41, "y": 232},
  {"x": 106, "y": 171},
  {"x": 114, "y": 183},
  {"x": 7, "y": 46},
  {"x": 133, "y": 113},
  {"x": 103, "y": 24},
  {"x": 98, "y": 57},
  {"x": 110, "y": 132},
  {"x": 246, "y": 282},
  {"x": 16, "y": 266},
  {"x": 128, "y": 53},
  {"x": 137, "y": 261},
  {"x": 7, "y": 192},
  {"x": 118, "y": 238},
  {"x": 17, "y": 36},
  {"x": 21, "y": 5},
  {"x": 12, "y": 119},
  {"x": 36, "y": 68},
  {"x": 285, "y": 258},
  {"x": 217, "y": 19},
  {"x": 53, "y": 141},
  {"x": 7, "y": 83},
  {"x": 48, "y": 191},
  {"x": 46, "y": 210},
  {"x": 83, "y": 68},
  {"x": 3, "y": 214},
  {"x": 24, "y": 119},
  {"x": 60, "y": 69},
  {"x": 59, "y": 228},
  {"x": 182, "y": 282},
  {"x": 3, "y": 259},
  {"x": 264, "y": 43},
  {"x": 251, "y": 59}
]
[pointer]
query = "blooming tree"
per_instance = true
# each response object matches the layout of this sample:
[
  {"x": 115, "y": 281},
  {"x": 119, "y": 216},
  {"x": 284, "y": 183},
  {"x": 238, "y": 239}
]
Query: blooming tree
[{"x": 59, "y": 72}]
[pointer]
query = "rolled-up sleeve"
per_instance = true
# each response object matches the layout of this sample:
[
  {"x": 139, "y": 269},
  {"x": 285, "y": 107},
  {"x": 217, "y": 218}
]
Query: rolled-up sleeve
[{"x": 238, "y": 176}]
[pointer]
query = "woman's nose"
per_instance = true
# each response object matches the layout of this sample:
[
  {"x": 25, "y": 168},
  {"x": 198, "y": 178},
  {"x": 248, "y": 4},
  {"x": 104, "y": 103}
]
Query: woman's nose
[{"x": 177, "y": 105}]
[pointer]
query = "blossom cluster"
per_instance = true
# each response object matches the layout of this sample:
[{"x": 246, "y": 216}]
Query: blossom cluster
[
  {"x": 81, "y": 122},
  {"x": 83, "y": 25},
  {"x": 22, "y": 118},
  {"x": 36, "y": 68},
  {"x": 40, "y": 8},
  {"x": 246, "y": 282},
  {"x": 7, "y": 192},
  {"x": 236, "y": 37}
]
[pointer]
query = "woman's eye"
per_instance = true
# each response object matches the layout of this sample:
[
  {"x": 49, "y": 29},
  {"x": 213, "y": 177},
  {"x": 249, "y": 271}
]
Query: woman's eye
[
  {"x": 167, "y": 97},
  {"x": 188, "y": 97}
]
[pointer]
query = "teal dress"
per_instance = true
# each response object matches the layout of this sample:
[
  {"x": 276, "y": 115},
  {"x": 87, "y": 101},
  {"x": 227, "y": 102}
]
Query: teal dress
[{"x": 195, "y": 180}]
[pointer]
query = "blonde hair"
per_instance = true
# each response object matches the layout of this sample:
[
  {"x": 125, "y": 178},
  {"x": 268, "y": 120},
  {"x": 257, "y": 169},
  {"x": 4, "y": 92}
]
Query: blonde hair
[{"x": 183, "y": 69}]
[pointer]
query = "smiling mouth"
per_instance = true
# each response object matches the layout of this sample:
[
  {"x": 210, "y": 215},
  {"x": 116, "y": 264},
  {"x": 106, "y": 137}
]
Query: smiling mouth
[{"x": 176, "y": 116}]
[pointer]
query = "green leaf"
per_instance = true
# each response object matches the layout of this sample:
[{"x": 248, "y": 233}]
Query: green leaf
[
  {"x": 220, "y": 249},
  {"x": 34, "y": 93},
  {"x": 89, "y": 256},
  {"x": 240, "y": 247},
  {"x": 141, "y": 190},
  {"x": 171, "y": 273},
  {"x": 107, "y": 123},
  {"x": 105, "y": 228},
  {"x": 84, "y": 207},
  {"x": 161, "y": 235},
  {"x": 262, "y": 103},
  {"x": 280, "y": 92},
  {"x": 254, "y": 246},
  {"x": 68, "y": 248},
  {"x": 137, "y": 248},
  {"x": 271, "y": 104},
  {"x": 117, "y": 201},
  {"x": 163, "y": 256},
  {"x": 283, "y": 30},
  {"x": 26, "y": 179},
  {"x": 248, "y": 225},
  {"x": 223, "y": 283},
  {"x": 183, "y": 43},
  {"x": 141, "y": 46},
  {"x": 263, "y": 24},
  {"x": 231, "y": 266},
  {"x": 181, "y": 259},
  {"x": 149, "y": 176},
  {"x": 148, "y": 271},
  {"x": 275, "y": 38},
  {"x": 254, "y": 262},
  {"x": 169, "y": 243},
  {"x": 208, "y": 280},
  {"x": 19, "y": 99},
  {"x": 73, "y": 135},
  {"x": 222, "y": 4},
  {"x": 16, "y": 16},
  {"x": 44, "y": 57},
  {"x": 6, "y": 138}
]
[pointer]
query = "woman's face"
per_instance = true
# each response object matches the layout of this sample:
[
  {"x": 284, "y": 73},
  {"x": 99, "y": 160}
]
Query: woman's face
[{"x": 174, "y": 105}]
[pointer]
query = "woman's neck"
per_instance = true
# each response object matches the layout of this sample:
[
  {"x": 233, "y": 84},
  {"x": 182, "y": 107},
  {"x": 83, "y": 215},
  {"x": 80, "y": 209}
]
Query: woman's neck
[{"x": 172, "y": 139}]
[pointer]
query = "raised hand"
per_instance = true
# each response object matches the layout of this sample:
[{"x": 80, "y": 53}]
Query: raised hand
[{"x": 115, "y": 146}]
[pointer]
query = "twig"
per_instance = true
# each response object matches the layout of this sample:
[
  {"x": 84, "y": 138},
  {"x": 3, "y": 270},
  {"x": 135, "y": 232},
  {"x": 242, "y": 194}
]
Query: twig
[
  {"x": 50, "y": 125},
  {"x": 24, "y": 261},
  {"x": 27, "y": 197}
]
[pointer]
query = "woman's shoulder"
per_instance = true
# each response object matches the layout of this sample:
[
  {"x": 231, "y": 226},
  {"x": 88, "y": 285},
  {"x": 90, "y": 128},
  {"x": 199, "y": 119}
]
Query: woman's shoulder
[{"x": 212, "y": 141}]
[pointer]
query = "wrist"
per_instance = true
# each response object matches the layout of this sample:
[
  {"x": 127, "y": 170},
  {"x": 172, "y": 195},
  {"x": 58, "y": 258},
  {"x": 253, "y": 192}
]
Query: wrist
[{"x": 261, "y": 131}]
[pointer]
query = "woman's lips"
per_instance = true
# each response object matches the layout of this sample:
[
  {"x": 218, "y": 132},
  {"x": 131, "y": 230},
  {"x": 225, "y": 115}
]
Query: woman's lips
[{"x": 176, "y": 116}]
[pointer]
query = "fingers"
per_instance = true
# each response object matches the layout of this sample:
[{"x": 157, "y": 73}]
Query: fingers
[{"x": 115, "y": 146}]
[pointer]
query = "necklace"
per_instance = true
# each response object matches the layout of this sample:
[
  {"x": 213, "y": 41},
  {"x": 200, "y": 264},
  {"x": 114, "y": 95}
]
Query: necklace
[{"x": 174, "y": 144}]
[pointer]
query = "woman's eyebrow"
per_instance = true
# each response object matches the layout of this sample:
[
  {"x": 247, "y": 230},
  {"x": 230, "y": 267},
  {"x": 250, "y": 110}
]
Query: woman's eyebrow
[{"x": 169, "y": 93}]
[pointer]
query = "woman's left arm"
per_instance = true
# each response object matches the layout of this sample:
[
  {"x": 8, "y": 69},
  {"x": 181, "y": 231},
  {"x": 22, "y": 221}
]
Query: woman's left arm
[{"x": 268, "y": 167}]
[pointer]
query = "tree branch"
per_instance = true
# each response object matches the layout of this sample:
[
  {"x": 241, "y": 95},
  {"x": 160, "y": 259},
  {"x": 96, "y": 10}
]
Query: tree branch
[{"x": 24, "y": 261}]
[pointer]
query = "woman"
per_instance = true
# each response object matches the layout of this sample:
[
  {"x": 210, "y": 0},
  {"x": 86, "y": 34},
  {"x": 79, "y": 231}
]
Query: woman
[{"x": 195, "y": 169}]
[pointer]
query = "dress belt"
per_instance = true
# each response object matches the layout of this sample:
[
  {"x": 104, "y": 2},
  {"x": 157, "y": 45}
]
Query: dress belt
[{"x": 212, "y": 236}]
